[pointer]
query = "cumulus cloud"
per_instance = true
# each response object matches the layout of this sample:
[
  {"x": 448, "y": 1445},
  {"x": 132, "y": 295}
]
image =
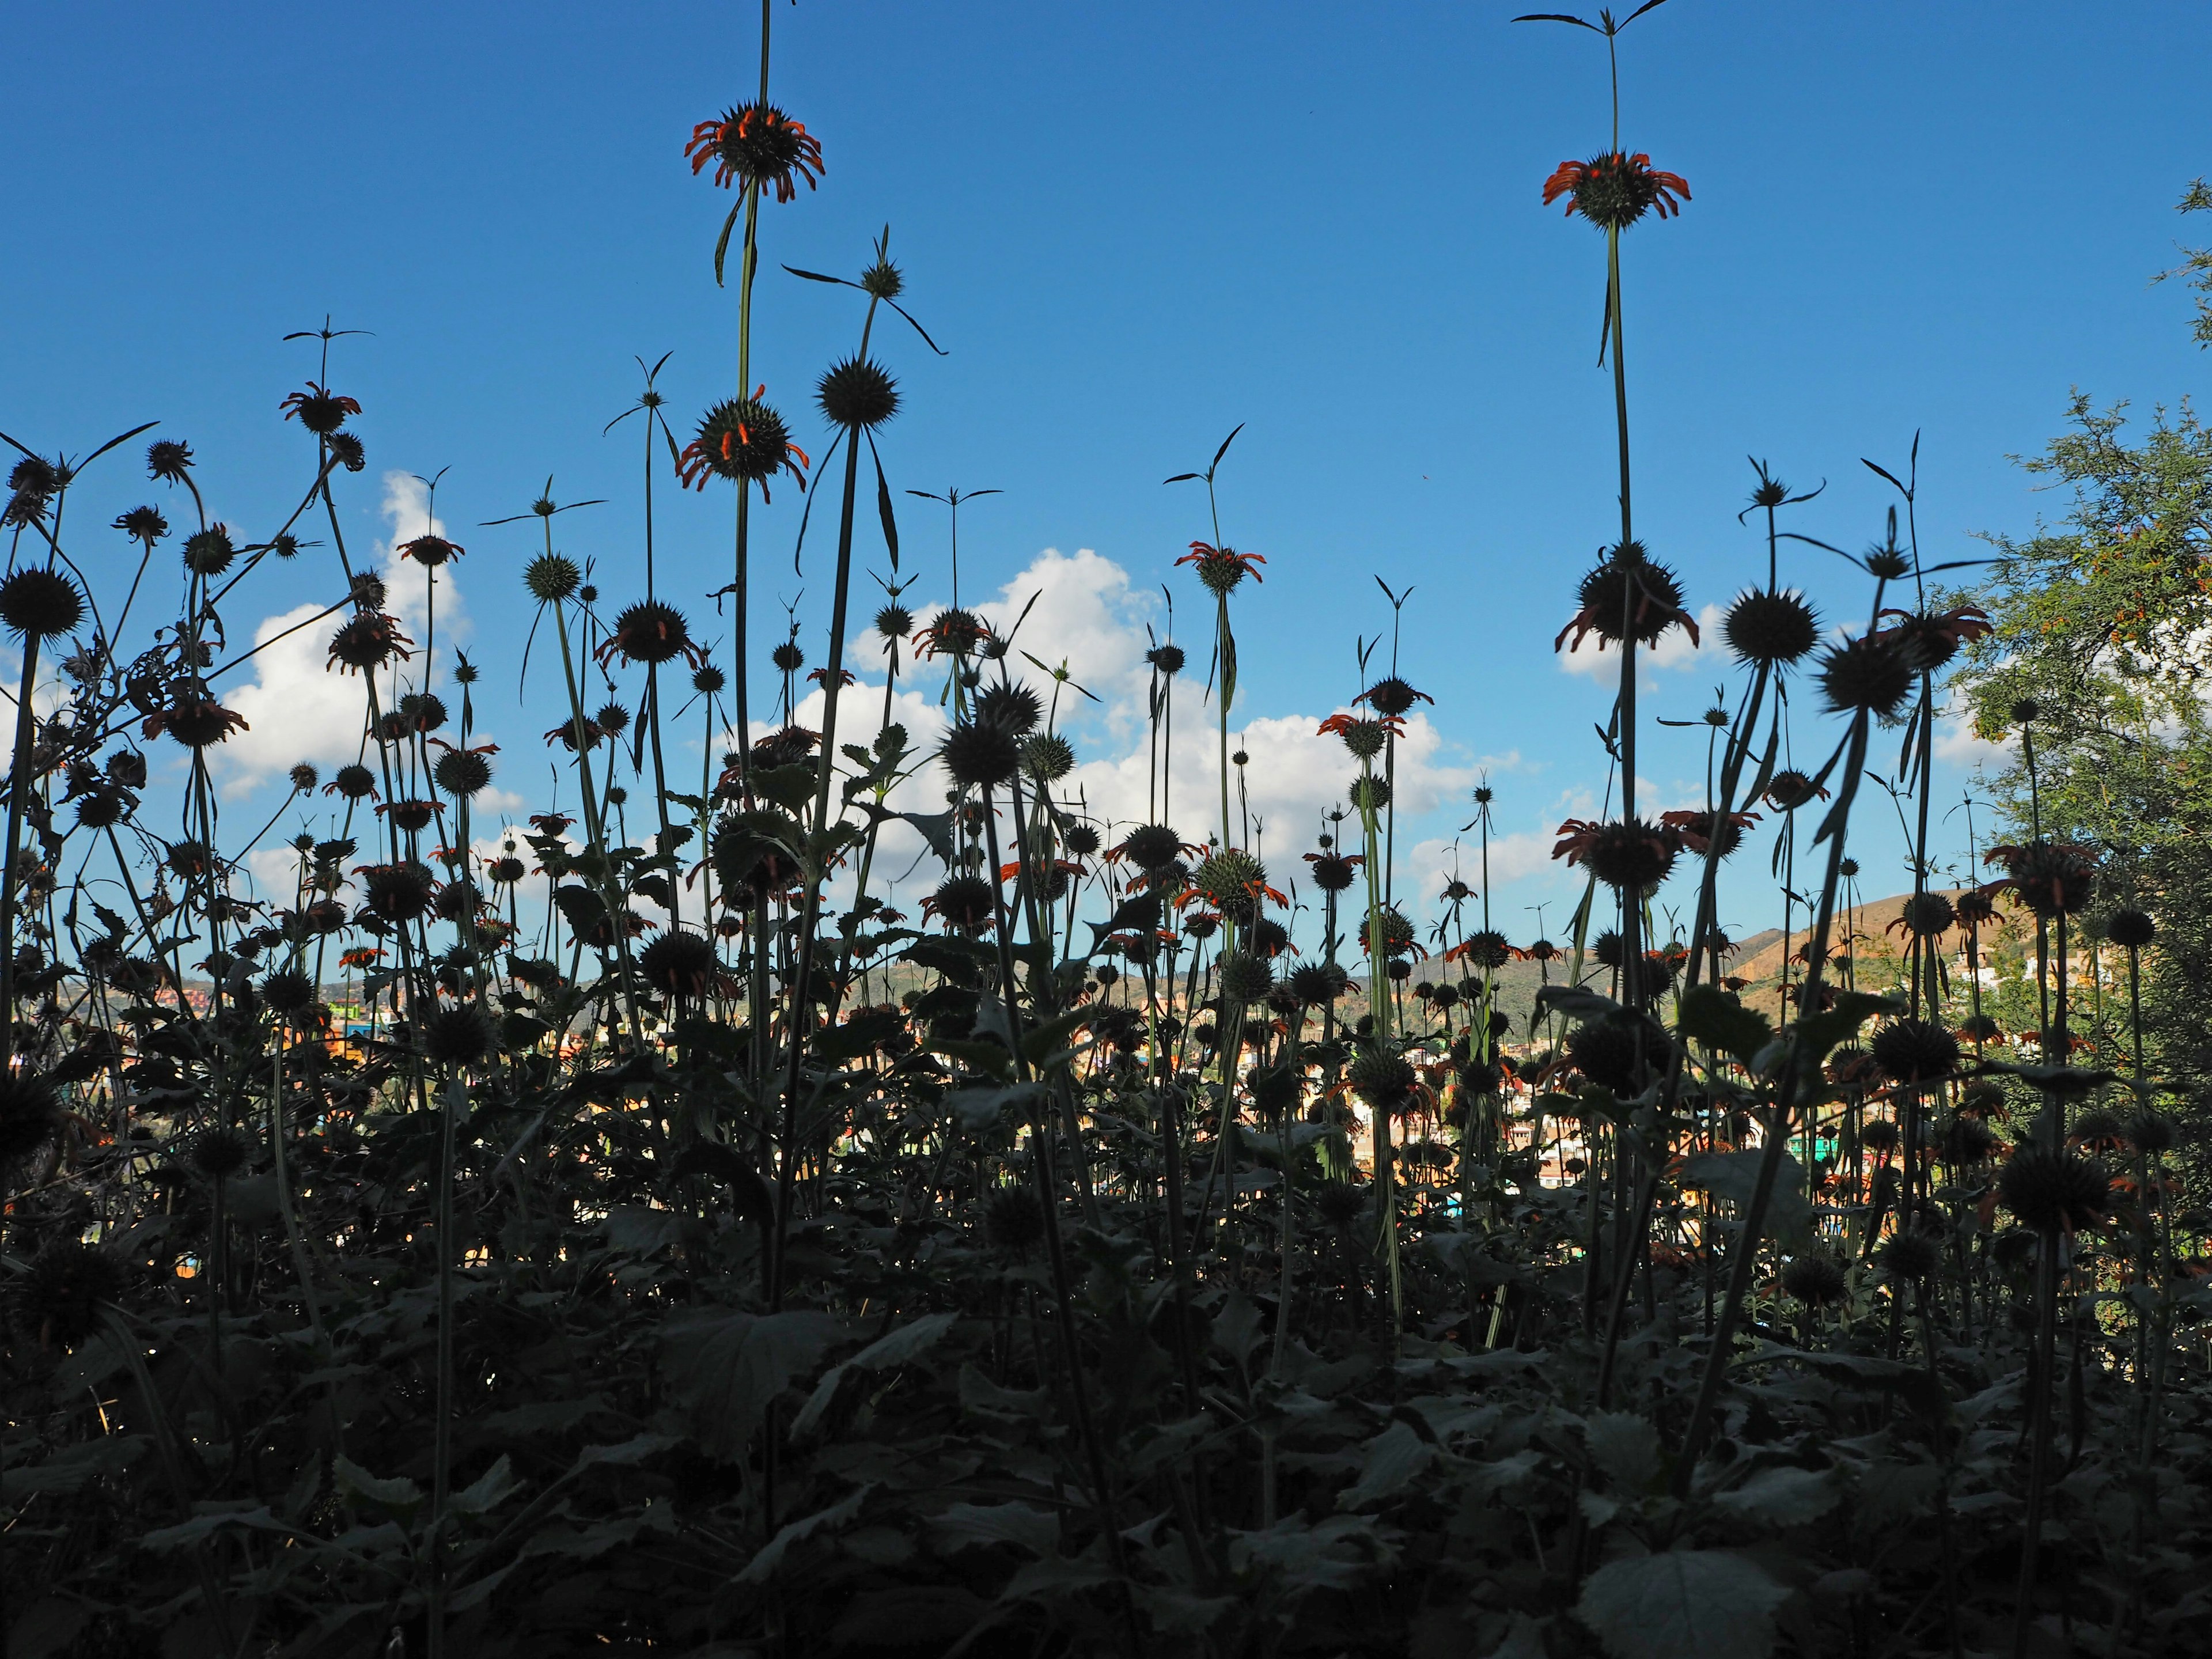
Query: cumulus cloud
[
  {"x": 1675, "y": 650},
  {"x": 296, "y": 706}
]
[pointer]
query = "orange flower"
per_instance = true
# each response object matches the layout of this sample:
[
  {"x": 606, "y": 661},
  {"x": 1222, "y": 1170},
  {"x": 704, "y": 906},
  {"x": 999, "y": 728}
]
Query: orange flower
[
  {"x": 1613, "y": 191},
  {"x": 1220, "y": 568},
  {"x": 756, "y": 144}
]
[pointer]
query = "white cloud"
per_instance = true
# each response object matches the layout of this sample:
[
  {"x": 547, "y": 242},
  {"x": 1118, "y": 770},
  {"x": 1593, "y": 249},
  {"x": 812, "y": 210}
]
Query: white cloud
[
  {"x": 1958, "y": 744},
  {"x": 299, "y": 709},
  {"x": 1675, "y": 650}
]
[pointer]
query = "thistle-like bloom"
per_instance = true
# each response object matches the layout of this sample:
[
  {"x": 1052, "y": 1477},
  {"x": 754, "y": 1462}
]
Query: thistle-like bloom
[
  {"x": 430, "y": 551},
  {"x": 1932, "y": 640},
  {"x": 194, "y": 719},
  {"x": 745, "y": 441},
  {"x": 1363, "y": 737},
  {"x": 1627, "y": 588},
  {"x": 1622, "y": 855},
  {"x": 368, "y": 640},
  {"x": 652, "y": 632},
  {"x": 1392, "y": 696},
  {"x": 959, "y": 633},
  {"x": 757, "y": 144},
  {"x": 1486, "y": 948},
  {"x": 1220, "y": 568},
  {"x": 1612, "y": 190},
  {"x": 1695, "y": 829},
  {"x": 2050, "y": 878},
  {"x": 319, "y": 409}
]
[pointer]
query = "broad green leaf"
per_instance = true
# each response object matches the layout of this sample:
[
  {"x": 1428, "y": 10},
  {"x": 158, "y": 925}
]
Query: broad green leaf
[
  {"x": 1624, "y": 1448},
  {"x": 1683, "y": 1604},
  {"x": 893, "y": 1348},
  {"x": 1711, "y": 1015},
  {"x": 725, "y": 1368},
  {"x": 1394, "y": 1458},
  {"x": 398, "y": 1494},
  {"x": 68, "y": 1469},
  {"x": 486, "y": 1493},
  {"x": 1782, "y": 1497},
  {"x": 1022, "y": 1525},
  {"x": 1735, "y": 1176},
  {"x": 841, "y": 1513}
]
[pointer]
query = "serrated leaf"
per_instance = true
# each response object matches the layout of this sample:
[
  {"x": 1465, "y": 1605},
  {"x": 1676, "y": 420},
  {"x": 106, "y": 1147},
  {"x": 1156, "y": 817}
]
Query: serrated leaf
[
  {"x": 1394, "y": 1458},
  {"x": 964, "y": 1526},
  {"x": 1782, "y": 1497},
  {"x": 1735, "y": 1175},
  {"x": 1624, "y": 1448},
  {"x": 761, "y": 1566},
  {"x": 725, "y": 1368},
  {"x": 1683, "y": 1604},
  {"x": 397, "y": 1494},
  {"x": 1711, "y": 1015}
]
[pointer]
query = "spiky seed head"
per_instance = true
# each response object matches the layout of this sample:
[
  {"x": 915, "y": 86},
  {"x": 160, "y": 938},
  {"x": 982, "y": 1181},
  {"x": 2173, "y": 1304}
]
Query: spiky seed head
[
  {"x": 1332, "y": 873},
  {"x": 1487, "y": 948},
  {"x": 31, "y": 1114},
  {"x": 398, "y": 892},
  {"x": 1364, "y": 739},
  {"x": 1927, "y": 915},
  {"x": 1915, "y": 1051},
  {"x": 980, "y": 754},
  {"x": 1369, "y": 794},
  {"x": 68, "y": 1284},
  {"x": 1628, "y": 588},
  {"x": 1608, "y": 1050},
  {"x": 1879, "y": 1135},
  {"x": 789, "y": 657},
  {"x": 218, "y": 1153},
  {"x": 1318, "y": 983},
  {"x": 651, "y": 631},
  {"x": 1168, "y": 659},
  {"x": 1868, "y": 675},
  {"x": 1629, "y": 854},
  {"x": 1082, "y": 840},
  {"x": 2149, "y": 1132},
  {"x": 1048, "y": 757},
  {"x": 458, "y": 1035},
  {"x": 894, "y": 622},
  {"x": 354, "y": 782},
  {"x": 1912, "y": 1258},
  {"x": 1013, "y": 1220},
  {"x": 38, "y": 603},
  {"x": 208, "y": 552},
  {"x": 2053, "y": 1192},
  {"x": 1012, "y": 707},
  {"x": 1775, "y": 629},
  {"x": 551, "y": 577},
  {"x": 1340, "y": 1202},
  {"x": 1815, "y": 1279},
  {"x": 966, "y": 902},
  {"x": 1791, "y": 789},
  {"x": 858, "y": 394},
  {"x": 288, "y": 991},
  {"x": 2130, "y": 928},
  {"x": 1381, "y": 1078},
  {"x": 1245, "y": 977},
  {"x": 680, "y": 965},
  {"x": 462, "y": 773}
]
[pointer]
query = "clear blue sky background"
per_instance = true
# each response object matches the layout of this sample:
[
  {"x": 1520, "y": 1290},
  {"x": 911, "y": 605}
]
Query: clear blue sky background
[{"x": 1133, "y": 227}]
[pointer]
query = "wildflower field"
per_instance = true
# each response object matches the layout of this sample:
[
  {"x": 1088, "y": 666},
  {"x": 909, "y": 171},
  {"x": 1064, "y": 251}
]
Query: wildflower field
[{"x": 804, "y": 1184}]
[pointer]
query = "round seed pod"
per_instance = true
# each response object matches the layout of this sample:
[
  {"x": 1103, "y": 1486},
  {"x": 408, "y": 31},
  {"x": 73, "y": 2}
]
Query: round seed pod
[
  {"x": 1013, "y": 1220},
  {"x": 1605, "y": 1050},
  {"x": 1012, "y": 707},
  {"x": 1927, "y": 915},
  {"x": 1879, "y": 1135},
  {"x": 458, "y": 1035},
  {"x": 2149, "y": 1132},
  {"x": 1369, "y": 794},
  {"x": 1816, "y": 1279},
  {"x": 858, "y": 394},
  {"x": 1048, "y": 757},
  {"x": 69, "y": 1285},
  {"x": 1632, "y": 855},
  {"x": 1364, "y": 739},
  {"x": 551, "y": 577},
  {"x": 1382, "y": 1078},
  {"x": 2053, "y": 1192},
  {"x": 1332, "y": 873},
  {"x": 1915, "y": 1051},
  {"x": 1317, "y": 983},
  {"x": 31, "y": 1114},
  {"x": 218, "y": 1153},
  {"x": 1246, "y": 977},
  {"x": 288, "y": 991},
  {"x": 980, "y": 755},
  {"x": 1340, "y": 1202},
  {"x": 1870, "y": 675},
  {"x": 38, "y": 603},
  {"x": 1082, "y": 840},
  {"x": 1912, "y": 1258},
  {"x": 651, "y": 631},
  {"x": 1776, "y": 628},
  {"x": 1152, "y": 847},
  {"x": 2129, "y": 928},
  {"x": 966, "y": 902},
  {"x": 1628, "y": 586},
  {"x": 680, "y": 965},
  {"x": 462, "y": 773}
]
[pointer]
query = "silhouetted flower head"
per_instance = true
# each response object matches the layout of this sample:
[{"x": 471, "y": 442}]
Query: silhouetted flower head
[
  {"x": 745, "y": 441},
  {"x": 430, "y": 551},
  {"x": 143, "y": 524},
  {"x": 319, "y": 410},
  {"x": 1221, "y": 569},
  {"x": 1626, "y": 592},
  {"x": 37, "y": 603},
  {"x": 1613, "y": 190},
  {"x": 1871, "y": 674},
  {"x": 2129, "y": 928},
  {"x": 368, "y": 640},
  {"x": 1771, "y": 627},
  {"x": 1392, "y": 696},
  {"x": 651, "y": 631},
  {"x": 756, "y": 144},
  {"x": 1626, "y": 854},
  {"x": 858, "y": 394}
]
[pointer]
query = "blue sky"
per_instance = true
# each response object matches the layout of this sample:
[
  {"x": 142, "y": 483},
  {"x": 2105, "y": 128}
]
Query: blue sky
[{"x": 1132, "y": 227}]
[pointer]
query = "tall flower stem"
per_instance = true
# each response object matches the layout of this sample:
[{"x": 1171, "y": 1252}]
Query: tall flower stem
[{"x": 19, "y": 787}]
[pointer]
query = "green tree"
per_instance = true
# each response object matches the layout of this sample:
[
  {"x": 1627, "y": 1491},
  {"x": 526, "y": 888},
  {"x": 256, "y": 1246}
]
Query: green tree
[{"x": 2103, "y": 622}]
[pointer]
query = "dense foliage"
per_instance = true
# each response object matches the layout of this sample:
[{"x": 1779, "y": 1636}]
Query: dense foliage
[{"x": 712, "y": 1260}]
